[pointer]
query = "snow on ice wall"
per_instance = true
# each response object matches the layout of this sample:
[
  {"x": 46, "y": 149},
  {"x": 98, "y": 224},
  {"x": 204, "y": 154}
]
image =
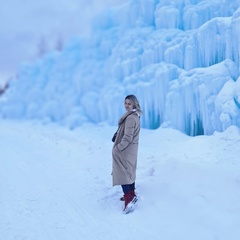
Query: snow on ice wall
[{"x": 181, "y": 59}]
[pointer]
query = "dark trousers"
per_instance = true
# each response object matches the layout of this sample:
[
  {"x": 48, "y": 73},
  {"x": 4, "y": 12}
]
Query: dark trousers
[{"x": 128, "y": 187}]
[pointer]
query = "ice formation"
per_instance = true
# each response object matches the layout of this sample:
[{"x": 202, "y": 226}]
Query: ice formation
[{"x": 181, "y": 58}]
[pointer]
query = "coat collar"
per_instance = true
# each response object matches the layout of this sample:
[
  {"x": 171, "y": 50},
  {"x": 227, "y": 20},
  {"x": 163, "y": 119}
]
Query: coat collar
[{"x": 125, "y": 115}]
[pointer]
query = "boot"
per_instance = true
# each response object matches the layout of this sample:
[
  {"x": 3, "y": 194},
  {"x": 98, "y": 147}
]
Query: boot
[
  {"x": 132, "y": 192},
  {"x": 130, "y": 202},
  {"x": 128, "y": 197},
  {"x": 122, "y": 198}
]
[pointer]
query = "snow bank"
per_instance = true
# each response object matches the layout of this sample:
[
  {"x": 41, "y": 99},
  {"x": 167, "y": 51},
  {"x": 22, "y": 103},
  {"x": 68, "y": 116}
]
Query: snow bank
[{"x": 56, "y": 184}]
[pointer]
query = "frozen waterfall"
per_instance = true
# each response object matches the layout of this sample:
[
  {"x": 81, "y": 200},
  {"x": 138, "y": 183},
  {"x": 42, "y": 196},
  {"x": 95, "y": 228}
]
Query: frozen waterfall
[{"x": 181, "y": 58}]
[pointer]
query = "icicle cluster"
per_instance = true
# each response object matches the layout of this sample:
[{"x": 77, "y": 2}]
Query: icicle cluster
[{"x": 181, "y": 58}]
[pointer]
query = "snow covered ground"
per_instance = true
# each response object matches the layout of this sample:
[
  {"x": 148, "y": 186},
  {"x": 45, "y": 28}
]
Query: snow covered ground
[{"x": 56, "y": 185}]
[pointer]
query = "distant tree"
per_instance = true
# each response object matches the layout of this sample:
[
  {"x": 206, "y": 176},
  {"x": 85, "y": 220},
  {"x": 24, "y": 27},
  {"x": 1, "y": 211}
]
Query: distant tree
[
  {"x": 3, "y": 88},
  {"x": 42, "y": 47}
]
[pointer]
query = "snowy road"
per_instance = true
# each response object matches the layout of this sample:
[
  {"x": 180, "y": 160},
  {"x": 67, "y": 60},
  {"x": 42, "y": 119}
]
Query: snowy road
[{"x": 56, "y": 184}]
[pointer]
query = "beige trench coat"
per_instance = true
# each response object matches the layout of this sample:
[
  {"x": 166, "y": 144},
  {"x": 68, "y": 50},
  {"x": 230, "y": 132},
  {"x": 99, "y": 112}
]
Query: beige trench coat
[{"x": 125, "y": 150}]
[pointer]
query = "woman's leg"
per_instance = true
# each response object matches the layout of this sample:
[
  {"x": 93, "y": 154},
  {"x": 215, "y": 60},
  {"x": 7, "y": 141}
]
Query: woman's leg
[
  {"x": 132, "y": 186},
  {"x": 126, "y": 188}
]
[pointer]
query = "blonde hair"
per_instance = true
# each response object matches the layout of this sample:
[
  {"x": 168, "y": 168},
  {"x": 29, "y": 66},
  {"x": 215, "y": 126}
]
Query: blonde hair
[{"x": 135, "y": 103}]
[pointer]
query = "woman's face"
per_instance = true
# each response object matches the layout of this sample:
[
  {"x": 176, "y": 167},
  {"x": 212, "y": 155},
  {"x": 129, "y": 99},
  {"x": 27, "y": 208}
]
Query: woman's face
[{"x": 128, "y": 105}]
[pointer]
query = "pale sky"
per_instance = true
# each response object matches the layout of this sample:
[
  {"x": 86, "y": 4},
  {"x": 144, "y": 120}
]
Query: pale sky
[{"x": 24, "y": 23}]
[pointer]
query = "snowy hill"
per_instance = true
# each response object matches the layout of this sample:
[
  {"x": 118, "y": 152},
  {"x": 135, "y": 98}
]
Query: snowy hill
[
  {"x": 181, "y": 58},
  {"x": 56, "y": 184}
]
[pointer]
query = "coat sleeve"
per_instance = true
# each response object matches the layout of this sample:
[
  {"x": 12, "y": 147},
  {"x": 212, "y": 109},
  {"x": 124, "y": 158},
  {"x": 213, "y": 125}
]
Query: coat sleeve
[{"x": 128, "y": 133}]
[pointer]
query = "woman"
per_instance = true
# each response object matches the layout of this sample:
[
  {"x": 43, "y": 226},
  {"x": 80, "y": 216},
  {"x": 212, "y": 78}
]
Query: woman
[{"x": 125, "y": 149}]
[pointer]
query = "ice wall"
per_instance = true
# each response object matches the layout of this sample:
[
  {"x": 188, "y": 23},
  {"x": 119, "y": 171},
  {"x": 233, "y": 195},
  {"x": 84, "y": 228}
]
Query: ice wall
[{"x": 181, "y": 59}]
